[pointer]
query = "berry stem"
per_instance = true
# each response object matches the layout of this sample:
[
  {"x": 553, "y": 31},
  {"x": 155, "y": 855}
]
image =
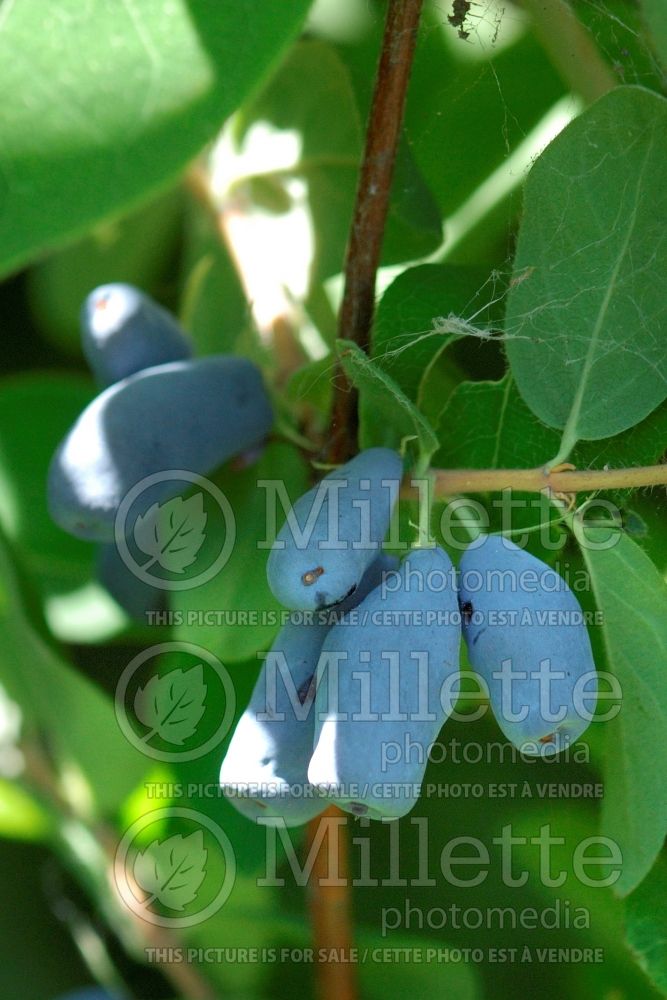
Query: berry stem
[
  {"x": 370, "y": 210},
  {"x": 330, "y": 910},
  {"x": 425, "y": 486},
  {"x": 450, "y": 482}
]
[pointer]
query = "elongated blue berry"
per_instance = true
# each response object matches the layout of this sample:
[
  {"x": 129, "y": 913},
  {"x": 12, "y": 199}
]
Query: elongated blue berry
[
  {"x": 265, "y": 770},
  {"x": 124, "y": 331},
  {"x": 188, "y": 415},
  {"x": 334, "y": 532},
  {"x": 527, "y": 638},
  {"x": 384, "y": 689}
]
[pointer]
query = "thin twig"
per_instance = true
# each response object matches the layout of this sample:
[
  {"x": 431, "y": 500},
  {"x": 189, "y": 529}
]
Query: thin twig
[
  {"x": 41, "y": 777},
  {"x": 370, "y": 211},
  {"x": 570, "y": 48},
  {"x": 450, "y": 482},
  {"x": 330, "y": 910}
]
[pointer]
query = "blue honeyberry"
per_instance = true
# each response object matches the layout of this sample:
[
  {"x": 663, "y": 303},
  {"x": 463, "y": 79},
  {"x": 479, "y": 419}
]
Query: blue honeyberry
[
  {"x": 385, "y": 688},
  {"x": 265, "y": 770},
  {"x": 334, "y": 532},
  {"x": 187, "y": 415},
  {"x": 124, "y": 331},
  {"x": 527, "y": 639}
]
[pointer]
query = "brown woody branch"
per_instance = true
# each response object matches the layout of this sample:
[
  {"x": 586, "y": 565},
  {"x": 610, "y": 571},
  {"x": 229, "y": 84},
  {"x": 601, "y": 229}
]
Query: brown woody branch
[
  {"x": 370, "y": 210},
  {"x": 331, "y": 905}
]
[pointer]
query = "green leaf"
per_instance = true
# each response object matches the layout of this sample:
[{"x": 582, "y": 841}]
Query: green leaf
[
  {"x": 632, "y": 597},
  {"x": 406, "y": 340},
  {"x": 41, "y": 960},
  {"x": 643, "y": 444},
  {"x": 646, "y": 924},
  {"x": 490, "y": 110},
  {"x": 651, "y": 507},
  {"x": 22, "y": 816},
  {"x": 77, "y": 717},
  {"x": 78, "y": 148},
  {"x": 311, "y": 386},
  {"x": 135, "y": 249},
  {"x": 312, "y": 94},
  {"x": 240, "y": 588},
  {"x": 620, "y": 36},
  {"x": 420, "y": 980},
  {"x": 486, "y": 425},
  {"x": 586, "y": 313},
  {"x": 394, "y": 415},
  {"x": 36, "y": 411},
  {"x": 655, "y": 16},
  {"x": 414, "y": 223}
]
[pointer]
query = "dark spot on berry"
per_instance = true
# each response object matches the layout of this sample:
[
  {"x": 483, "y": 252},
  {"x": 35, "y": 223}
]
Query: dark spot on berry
[
  {"x": 307, "y": 690},
  {"x": 321, "y": 597},
  {"x": 467, "y": 612},
  {"x": 477, "y": 635},
  {"x": 309, "y": 578},
  {"x": 358, "y": 808}
]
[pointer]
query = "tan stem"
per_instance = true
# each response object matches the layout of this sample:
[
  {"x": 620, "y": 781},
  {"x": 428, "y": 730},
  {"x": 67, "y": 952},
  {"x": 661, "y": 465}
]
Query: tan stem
[
  {"x": 330, "y": 913},
  {"x": 450, "y": 482}
]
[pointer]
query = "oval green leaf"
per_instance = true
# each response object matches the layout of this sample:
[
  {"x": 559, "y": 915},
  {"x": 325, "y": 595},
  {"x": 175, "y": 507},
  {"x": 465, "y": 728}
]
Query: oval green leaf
[
  {"x": 632, "y": 597},
  {"x": 586, "y": 313},
  {"x": 105, "y": 103}
]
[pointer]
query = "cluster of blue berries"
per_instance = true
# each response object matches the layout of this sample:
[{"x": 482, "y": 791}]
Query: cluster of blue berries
[
  {"x": 359, "y": 682},
  {"x": 159, "y": 410},
  {"x": 361, "y": 678}
]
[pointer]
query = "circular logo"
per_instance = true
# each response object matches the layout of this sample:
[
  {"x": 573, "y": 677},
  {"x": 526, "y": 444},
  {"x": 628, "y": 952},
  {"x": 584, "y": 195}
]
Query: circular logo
[
  {"x": 176, "y": 873},
  {"x": 171, "y": 533},
  {"x": 171, "y": 706}
]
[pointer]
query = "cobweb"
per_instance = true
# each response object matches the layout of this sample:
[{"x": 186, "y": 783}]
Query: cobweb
[
  {"x": 486, "y": 27},
  {"x": 616, "y": 26}
]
